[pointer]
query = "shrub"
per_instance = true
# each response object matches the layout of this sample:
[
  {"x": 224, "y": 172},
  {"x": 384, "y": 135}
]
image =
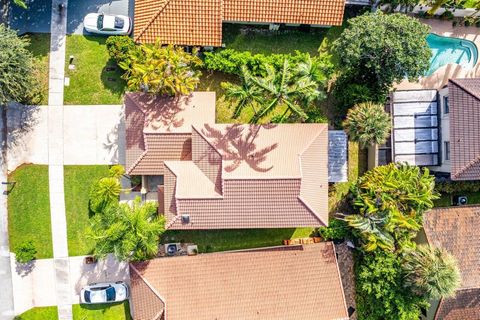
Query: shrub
[
  {"x": 380, "y": 290},
  {"x": 104, "y": 194},
  {"x": 447, "y": 15},
  {"x": 368, "y": 123},
  {"x": 230, "y": 61},
  {"x": 455, "y": 187},
  {"x": 116, "y": 171},
  {"x": 336, "y": 230},
  {"x": 25, "y": 252},
  {"x": 119, "y": 46}
]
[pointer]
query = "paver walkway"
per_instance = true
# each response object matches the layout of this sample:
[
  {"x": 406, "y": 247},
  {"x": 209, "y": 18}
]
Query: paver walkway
[
  {"x": 6, "y": 285},
  {"x": 55, "y": 159}
]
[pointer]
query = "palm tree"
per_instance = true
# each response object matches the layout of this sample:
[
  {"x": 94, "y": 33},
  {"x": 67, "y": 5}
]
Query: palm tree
[
  {"x": 246, "y": 94},
  {"x": 130, "y": 232},
  {"x": 368, "y": 123},
  {"x": 288, "y": 89},
  {"x": 104, "y": 193},
  {"x": 431, "y": 272}
]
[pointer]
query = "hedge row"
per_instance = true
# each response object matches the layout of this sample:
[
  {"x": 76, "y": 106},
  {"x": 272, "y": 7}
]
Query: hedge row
[
  {"x": 230, "y": 61},
  {"x": 450, "y": 187}
]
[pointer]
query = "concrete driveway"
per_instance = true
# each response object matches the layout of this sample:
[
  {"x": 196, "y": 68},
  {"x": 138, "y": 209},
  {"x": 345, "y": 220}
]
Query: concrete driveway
[
  {"x": 37, "y": 17},
  {"x": 33, "y": 285},
  {"x": 92, "y": 135},
  {"x": 78, "y": 9}
]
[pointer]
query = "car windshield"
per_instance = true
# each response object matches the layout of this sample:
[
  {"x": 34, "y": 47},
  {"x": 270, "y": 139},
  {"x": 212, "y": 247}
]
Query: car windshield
[
  {"x": 100, "y": 22},
  {"x": 110, "y": 294},
  {"x": 86, "y": 295}
]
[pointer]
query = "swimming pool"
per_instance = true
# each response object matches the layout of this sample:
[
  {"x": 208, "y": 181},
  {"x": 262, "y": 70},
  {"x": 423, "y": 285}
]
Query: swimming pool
[{"x": 447, "y": 50}]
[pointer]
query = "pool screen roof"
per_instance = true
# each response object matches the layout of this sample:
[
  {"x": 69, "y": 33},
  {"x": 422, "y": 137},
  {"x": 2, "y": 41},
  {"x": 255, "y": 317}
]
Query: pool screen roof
[{"x": 415, "y": 127}]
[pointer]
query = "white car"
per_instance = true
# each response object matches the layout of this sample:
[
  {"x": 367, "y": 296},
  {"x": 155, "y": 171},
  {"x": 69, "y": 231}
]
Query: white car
[
  {"x": 104, "y": 292},
  {"x": 114, "y": 25}
]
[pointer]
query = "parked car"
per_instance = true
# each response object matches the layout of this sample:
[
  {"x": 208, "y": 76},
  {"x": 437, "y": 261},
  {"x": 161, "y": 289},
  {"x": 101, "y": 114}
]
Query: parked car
[
  {"x": 112, "y": 25},
  {"x": 104, "y": 292}
]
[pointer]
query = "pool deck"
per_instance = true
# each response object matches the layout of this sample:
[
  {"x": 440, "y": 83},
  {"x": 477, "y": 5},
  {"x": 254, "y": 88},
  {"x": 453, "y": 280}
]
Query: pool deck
[{"x": 440, "y": 77}]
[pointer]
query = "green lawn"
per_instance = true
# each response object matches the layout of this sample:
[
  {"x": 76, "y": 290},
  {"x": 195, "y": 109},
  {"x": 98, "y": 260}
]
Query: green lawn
[
  {"x": 90, "y": 82},
  {"x": 29, "y": 209},
  {"x": 446, "y": 199},
  {"x": 40, "y": 48},
  {"x": 118, "y": 311},
  {"x": 357, "y": 166},
  {"x": 258, "y": 39},
  {"x": 39, "y": 313},
  {"x": 222, "y": 240},
  {"x": 78, "y": 180}
]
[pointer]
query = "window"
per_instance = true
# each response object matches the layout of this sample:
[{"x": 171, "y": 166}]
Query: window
[
  {"x": 446, "y": 108},
  {"x": 447, "y": 150}
]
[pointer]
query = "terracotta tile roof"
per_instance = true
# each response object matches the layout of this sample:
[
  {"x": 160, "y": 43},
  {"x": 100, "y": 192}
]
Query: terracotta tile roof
[
  {"x": 464, "y": 306},
  {"x": 265, "y": 151},
  {"x": 456, "y": 230},
  {"x": 159, "y": 128},
  {"x": 146, "y": 301},
  {"x": 464, "y": 102},
  {"x": 297, "y": 282},
  {"x": 180, "y": 22},
  {"x": 199, "y": 22},
  {"x": 316, "y": 12}
]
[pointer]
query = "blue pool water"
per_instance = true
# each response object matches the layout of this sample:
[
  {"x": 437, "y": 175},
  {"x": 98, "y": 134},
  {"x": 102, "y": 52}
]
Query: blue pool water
[{"x": 447, "y": 50}]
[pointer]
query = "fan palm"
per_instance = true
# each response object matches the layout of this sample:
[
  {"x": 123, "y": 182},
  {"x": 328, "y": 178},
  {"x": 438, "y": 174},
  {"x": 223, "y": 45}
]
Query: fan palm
[
  {"x": 130, "y": 232},
  {"x": 431, "y": 272},
  {"x": 285, "y": 88},
  {"x": 246, "y": 94}
]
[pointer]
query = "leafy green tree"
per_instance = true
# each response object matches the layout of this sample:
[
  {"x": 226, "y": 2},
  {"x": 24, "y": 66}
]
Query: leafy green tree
[
  {"x": 368, "y": 123},
  {"x": 381, "y": 294},
  {"x": 116, "y": 171},
  {"x": 162, "y": 70},
  {"x": 379, "y": 49},
  {"x": 431, "y": 272},
  {"x": 17, "y": 69},
  {"x": 130, "y": 232},
  {"x": 391, "y": 201},
  {"x": 247, "y": 94},
  {"x": 25, "y": 252},
  {"x": 104, "y": 194}
]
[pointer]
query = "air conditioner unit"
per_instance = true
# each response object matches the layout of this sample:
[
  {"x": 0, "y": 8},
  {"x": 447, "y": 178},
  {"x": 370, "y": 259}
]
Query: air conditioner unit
[
  {"x": 171, "y": 249},
  {"x": 273, "y": 27},
  {"x": 460, "y": 200}
]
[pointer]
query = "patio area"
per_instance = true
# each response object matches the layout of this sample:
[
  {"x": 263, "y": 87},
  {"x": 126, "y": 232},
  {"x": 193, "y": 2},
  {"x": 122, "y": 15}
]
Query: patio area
[{"x": 440, "y": 78}]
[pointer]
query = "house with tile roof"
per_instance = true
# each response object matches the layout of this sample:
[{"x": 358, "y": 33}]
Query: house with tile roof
[
  {"x": 227, "y": 176},
  {"x": 290, "y": 282},
  {"x": 437, "y": 129},
  {"x": 199, "y": 22},
  {"x": 455, "y": 230}
]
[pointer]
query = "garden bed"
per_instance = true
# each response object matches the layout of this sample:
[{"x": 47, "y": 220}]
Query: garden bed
[
  {"x": 29, "y": 209},
  {"x": 78, "y": 180},
  {"x": 40, "y": 48}
]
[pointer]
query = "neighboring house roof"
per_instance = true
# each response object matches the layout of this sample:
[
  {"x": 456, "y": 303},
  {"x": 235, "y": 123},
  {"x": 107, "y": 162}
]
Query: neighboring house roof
[
  {"x": 159, "y": 128},
  {"x": 199, "y": 22},
  {"x": 180, "y": 22},
  {"x": 464, "y": 102},
  {"x": 293, "y": 282},
  {"x": 456, "y": 230}
]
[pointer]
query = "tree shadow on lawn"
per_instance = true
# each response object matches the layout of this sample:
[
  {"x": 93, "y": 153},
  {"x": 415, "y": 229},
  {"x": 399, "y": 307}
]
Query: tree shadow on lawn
[{"x": 111, "y": 77}]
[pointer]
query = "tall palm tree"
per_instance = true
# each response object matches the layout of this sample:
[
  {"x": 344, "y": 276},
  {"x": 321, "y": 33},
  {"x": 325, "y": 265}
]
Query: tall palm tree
[
  {"x": 246, "y": 94},
  {"x": 431, "y": 272},
  {"x": 285, "y": 88},
  {"x": 130, "y": 232}
]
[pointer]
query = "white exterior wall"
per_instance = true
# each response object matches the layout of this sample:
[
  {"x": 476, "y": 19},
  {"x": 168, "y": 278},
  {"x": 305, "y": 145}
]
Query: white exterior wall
[{"x": 444, "y": 119}]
